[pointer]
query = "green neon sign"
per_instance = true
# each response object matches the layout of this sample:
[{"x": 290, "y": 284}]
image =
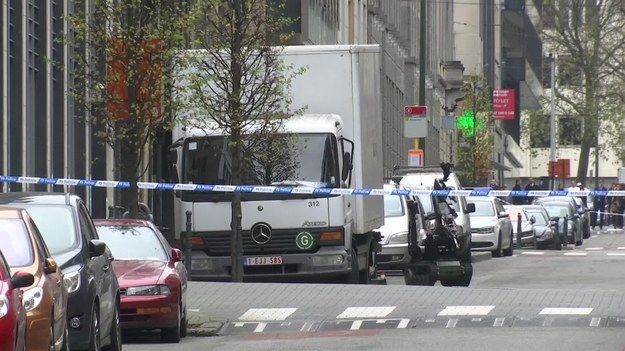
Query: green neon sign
[{"x": 468, "y": 123}]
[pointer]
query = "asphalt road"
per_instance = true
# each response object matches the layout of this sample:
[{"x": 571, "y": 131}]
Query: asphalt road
[{"x": 547, "y": 300}]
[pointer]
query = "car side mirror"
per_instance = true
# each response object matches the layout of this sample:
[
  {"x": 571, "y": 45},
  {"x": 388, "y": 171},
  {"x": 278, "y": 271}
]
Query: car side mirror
[
  {"x": 504, "y": 215},
  {"x": 470, "y": 207},
  {"x": 22, "y": 280},
  {"x": 96, "y": 248},
  {"x": 176, "y": 255},
  {"x": 50, "y": 266},
  {"x": 347, "y": 166},
  {"x": 533, "y": 220}
]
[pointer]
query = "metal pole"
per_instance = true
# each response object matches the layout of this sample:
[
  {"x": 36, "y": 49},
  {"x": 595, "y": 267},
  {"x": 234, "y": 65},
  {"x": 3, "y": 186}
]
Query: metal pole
[
  {"x": 422, "y": 63},
  {"x": 552, "y": 151},
  {"x": 188, "y": 245},
  {"x": 519, "y": 230}
]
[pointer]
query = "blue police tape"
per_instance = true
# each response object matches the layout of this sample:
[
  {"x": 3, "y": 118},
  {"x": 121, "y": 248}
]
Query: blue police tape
[{"x": 301, "y": 189}]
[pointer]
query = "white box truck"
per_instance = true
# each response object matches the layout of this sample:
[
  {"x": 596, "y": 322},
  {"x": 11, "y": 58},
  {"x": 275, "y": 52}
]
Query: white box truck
[{"x": 316, "y": 236}]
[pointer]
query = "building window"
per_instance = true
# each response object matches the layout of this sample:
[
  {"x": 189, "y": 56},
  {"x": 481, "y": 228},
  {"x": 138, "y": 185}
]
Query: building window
[
  {"x": 569, "y": 72},
  {"x": 569, "y": 130}
]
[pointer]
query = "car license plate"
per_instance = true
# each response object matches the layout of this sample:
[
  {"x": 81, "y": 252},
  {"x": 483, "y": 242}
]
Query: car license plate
[{"x": 262, "y": 261}]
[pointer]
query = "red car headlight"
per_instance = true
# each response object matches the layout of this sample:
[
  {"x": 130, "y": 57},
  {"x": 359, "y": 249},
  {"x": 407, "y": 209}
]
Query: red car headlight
[{"x": 147, "y": 290}]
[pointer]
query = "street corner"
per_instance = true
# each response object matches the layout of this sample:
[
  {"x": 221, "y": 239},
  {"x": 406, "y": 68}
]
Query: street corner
[
  {"x": 202, "y": 325},
  {"x": 480, "y": 256}
]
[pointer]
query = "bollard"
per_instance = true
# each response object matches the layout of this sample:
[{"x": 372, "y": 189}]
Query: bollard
[
  {"x": 188, "y": 246},
  {"x": 556, "y": 228},
  {"x": 519, "y": 228},
  {"x": 566, "y": 230}
]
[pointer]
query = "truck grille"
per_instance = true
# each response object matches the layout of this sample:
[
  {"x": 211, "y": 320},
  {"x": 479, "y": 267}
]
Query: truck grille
[{"x": 281, "y": 242}]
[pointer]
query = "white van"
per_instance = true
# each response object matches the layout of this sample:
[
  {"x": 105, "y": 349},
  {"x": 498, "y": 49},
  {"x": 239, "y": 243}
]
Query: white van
[{"x": 420, "y": 178}]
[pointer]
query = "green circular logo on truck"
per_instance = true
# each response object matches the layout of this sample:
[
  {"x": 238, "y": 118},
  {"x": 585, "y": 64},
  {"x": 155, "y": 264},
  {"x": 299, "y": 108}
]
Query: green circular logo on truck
[{"x": 304, "y": 240}]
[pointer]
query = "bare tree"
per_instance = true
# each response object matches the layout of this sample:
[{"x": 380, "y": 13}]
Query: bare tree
[
  {"x": 237, "y": 83},
  {"x": 589, "y": 35},
  {"x": 122, "y": 76}
]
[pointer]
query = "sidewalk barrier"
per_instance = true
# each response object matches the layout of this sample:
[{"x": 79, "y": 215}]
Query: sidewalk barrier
[{"x": 300, "y": 189}]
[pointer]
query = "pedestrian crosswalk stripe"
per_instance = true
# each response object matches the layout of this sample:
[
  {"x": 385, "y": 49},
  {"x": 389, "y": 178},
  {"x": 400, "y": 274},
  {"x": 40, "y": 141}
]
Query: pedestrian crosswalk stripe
[
  {"x": 615, "y": 254},
  {"x": 594, "y": 248},
  {"x": 566, "y": 311},
  {"x": 466, "y": 310},
  {"x": 621, "y": 248},
  {"x": 575, "y": 254},
  {"x": 533, "y": 253},
  {"x": 366, "y": 312},
  {"x": 267, "y": 314}
]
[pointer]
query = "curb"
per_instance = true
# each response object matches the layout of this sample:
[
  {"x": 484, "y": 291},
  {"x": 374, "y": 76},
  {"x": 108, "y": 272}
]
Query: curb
[
  {"x": 211, "y": 328},
  {"x": 480, "y": 256}
]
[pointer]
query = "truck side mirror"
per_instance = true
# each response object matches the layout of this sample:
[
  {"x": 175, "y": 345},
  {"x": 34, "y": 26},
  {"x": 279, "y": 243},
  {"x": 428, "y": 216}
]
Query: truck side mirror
[
  {"x": 173, "y": 156},
  {"x": 347, "y": 166}
]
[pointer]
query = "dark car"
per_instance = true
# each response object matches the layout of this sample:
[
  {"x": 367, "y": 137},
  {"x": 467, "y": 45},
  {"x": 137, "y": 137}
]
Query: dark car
[
  {"x": 580, "y": 208},
  {"x": 151, "y": 275},
  {"x": 544, "y": 226},
  {"x": 71, "y": 238},
  {"x": 566, "y": 210}
]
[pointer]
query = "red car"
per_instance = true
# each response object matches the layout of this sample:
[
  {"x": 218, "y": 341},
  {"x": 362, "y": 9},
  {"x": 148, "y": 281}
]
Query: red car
[
  {"x": 12, "y": 312},
  {"x": 152, "y": 278}
]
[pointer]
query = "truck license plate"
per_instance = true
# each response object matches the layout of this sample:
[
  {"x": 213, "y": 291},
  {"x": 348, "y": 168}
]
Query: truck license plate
[{"x": 262, "y": 261}]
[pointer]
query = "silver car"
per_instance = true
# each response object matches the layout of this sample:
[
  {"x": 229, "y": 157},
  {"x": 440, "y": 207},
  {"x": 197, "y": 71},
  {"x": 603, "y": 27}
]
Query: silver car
[
  {"x": 396, "y": 229},
  {"x": 491, "y": 229},
  {"x": 528, "y": 233}
]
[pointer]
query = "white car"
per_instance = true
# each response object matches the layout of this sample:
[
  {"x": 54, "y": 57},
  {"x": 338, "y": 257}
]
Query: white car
[
  {"x": 396, "y": 228},
  {"x": 491, "y": 228}
]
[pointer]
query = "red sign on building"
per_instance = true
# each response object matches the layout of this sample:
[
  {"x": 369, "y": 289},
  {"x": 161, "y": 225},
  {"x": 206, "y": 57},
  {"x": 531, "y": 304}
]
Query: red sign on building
[
  {"x": 503, "y": 104},
  {"x": 416, "y": 111}
]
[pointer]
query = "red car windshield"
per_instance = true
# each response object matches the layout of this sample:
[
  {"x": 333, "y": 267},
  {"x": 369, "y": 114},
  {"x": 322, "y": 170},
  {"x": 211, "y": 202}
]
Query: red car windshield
[{"x": 129, "y": 242}]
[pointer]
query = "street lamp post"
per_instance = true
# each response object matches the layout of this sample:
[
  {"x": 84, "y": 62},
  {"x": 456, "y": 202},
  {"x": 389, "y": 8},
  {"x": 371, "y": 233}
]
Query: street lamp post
[{"x": 552, "y": 151}]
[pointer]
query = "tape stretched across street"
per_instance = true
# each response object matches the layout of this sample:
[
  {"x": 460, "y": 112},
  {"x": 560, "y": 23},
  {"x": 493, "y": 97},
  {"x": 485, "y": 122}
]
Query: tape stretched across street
[{"x": 300, "y": 189}]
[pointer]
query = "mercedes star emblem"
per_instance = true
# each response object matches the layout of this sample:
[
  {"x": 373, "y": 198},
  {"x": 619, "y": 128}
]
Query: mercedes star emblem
[{"x": 261, "y": 233}]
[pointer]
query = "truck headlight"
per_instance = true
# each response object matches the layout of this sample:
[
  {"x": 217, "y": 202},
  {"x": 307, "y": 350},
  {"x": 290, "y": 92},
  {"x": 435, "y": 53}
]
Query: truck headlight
[
  {"x": 398, "y": 238},
  {"x": 32, "y": 297},
  {"x": 71, "y": 281},
  {"x": 148, "y": 290}
]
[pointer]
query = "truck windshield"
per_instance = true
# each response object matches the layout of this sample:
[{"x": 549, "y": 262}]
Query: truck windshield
[{"x": 286, "y": 160}]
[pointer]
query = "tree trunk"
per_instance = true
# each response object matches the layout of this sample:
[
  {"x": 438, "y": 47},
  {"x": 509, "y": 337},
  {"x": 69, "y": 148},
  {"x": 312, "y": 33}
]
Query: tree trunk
[{"x": 128, "y": 171}]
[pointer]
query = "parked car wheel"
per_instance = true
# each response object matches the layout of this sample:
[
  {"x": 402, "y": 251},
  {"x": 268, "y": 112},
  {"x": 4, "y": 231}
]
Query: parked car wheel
[
  {"x": 497, "y": 251},
  {"x": 184, "y": 323},
  {"x": 510, "y": 250},
  {"x": 172, "y": 335},
  {"x": 116, "y": 333},
  {"x": 94, "y": 344}
]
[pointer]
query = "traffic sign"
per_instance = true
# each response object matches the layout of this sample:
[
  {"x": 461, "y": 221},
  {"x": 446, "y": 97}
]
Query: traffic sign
[{"x": 415, "y": 121}]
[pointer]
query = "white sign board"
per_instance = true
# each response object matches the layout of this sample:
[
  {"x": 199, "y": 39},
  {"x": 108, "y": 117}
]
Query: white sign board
[{"x": 415, "y": 122}]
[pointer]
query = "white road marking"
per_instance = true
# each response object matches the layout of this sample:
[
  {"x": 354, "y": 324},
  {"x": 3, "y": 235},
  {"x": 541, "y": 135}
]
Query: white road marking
[
  {"x": 594, "y": 248},
  {"x": 498, "y": 322},
  {"x": 451, "y": 323},
  {"x": 594, "y": 322},
  {"x": 193, "y": 309},
  {"x": 307, "y": 326},
  {"x": 403, "y": 324},
  {"x": 267, "y": 314},
  {"x": 533, "y": 253},
  {"x": 566, "y": 311},
  {"x": 260, "y": 327},
  {"x": 575, "y": 253},
  {"x": 356, "y": 325},
  {"x": 621, "y": 248},
  {"x": 594, "y": 236},
  {"x": 380, "y": 321},
  {"x": 615, "y": 254},
  {"x": 466, "y": 310},
  {"x": 366, "y": 312}
]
